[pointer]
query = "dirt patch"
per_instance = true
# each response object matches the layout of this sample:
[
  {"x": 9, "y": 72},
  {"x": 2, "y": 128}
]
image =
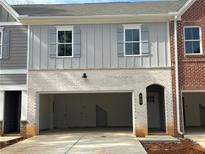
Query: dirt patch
[
  {"x": 185, "y": 146},
  {"x": 3, "y": 144}
]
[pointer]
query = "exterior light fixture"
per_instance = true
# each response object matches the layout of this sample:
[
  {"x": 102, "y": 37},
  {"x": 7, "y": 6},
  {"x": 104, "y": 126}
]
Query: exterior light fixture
[
  {"x": 84, "y": 76},
  {"x": 140, "y": 99}
]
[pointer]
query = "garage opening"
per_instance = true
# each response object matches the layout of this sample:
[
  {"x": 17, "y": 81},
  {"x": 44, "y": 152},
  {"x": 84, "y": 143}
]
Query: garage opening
[
  {"x": 156, "y": 109},
  {"x": 12, "y": 112},
  {"x": 194, "y": 112},
  {"x": 90, "y": 110}
]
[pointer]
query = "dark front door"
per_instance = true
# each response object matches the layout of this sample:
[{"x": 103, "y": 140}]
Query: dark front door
[{"x": 12, "y": 112}]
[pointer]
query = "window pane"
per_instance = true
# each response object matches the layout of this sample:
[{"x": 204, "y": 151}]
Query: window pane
[
  {"x": 60, "y": 50},
  {"x": 132, "y": 35},
  {"x": 128, "y": 48},
  {"x": 188, "y": 46},
  {"x": 188, "y": 33},
  {"x": 136, "y": 48},
  {"x": 68, "y": 36},
  {"x": 196, "y": 47},
  {"x": 136, "y": 35},
  {"x": 64, "y": 50},
  {"x": 68, "y": 51},
  {"x": 64, "y": 36},
  {"x": 195, "y": 33},
  {"x": 128, "y": 35}
]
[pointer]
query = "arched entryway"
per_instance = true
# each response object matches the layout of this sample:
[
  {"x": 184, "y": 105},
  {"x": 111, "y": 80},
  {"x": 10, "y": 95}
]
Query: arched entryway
[{"x": 156, "y": 109}]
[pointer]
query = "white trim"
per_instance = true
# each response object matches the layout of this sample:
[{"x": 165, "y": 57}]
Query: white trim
[
  {"x": 28, "y": 53},
  {"x": 200, "y": 40},
  {"x": 13, "y": 87},
  {"x": 24, "y": 105},
  {"x": 2, "y": 98},
  {"x": 64, "y": 28},
  {"x": 1, "y": 43},
  {"x": 9, "y": 9},
  {"x": 13, "y": 71},
  {"x": 168, "y": 45},
  {"x": 131, "y": 26},
  {"x": 9, "y": 23}
]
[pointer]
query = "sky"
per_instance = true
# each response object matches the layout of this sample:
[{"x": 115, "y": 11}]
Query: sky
[{"x": 66, "y": 1}]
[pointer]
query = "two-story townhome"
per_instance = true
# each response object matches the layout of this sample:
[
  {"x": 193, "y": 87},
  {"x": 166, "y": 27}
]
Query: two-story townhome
[
  {"x": 93, "y": 65},
  {"x": 13, "y": 69},
  {"x": 100, "y": 65},
  {"x": 191, "y": 57}
]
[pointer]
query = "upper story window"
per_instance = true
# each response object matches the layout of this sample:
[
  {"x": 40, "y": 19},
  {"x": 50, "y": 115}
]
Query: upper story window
[
  {"x": 1, "y": 41},
  {"x": 132, "y": 40},
  {"x": 193, "y": 44},
  {"x": 64, "y": 41}
]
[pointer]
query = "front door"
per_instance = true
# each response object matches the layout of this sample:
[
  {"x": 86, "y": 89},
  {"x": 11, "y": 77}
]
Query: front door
[
  {"x": 153, "y": 110},
  {"x": 12, "y": 111}
]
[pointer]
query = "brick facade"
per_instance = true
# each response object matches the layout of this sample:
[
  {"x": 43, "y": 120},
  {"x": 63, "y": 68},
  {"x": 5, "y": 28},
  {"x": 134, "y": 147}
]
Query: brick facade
[
  {"x": 192, "y": 67},
  {"x": 135, "y": 80}
]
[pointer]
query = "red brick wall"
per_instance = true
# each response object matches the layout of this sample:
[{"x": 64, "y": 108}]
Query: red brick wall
[
  {"x": 192, "y": 68},
  {"x": 171, "y": 30}
]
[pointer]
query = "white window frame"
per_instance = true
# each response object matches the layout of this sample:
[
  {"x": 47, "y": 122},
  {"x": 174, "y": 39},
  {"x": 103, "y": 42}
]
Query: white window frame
[
  {"x": 127, "y": 27},
  {"x": 200, "y": 40},
  {"x": 1, "y": 42},
  {"x": 64, "y": 28}
]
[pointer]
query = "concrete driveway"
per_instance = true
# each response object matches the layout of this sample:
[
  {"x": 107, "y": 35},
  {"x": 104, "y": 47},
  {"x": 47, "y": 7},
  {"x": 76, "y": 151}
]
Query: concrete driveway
[{"x": 115, "y": 141}]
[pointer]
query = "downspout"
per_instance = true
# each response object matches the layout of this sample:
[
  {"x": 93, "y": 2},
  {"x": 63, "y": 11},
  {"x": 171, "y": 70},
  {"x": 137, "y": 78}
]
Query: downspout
[{"x": 177, "y": 76}]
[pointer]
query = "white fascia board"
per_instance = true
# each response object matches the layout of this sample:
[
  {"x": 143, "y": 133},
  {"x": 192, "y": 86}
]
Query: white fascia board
[
  {"x": 71, "y": 20},
  {"x": 13, "y": 71},
  {"x": 9, "y": 9},
  {"x": 9, "y": 23}
]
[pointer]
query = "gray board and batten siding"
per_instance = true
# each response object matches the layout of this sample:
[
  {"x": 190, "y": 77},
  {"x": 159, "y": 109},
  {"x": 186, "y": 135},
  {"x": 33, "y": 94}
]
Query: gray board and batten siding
[
  {"x": 14, "y": 54},
  {"x": 99, "y": 47}
]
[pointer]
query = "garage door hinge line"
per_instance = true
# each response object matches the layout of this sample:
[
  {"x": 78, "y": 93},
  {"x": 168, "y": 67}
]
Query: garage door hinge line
[{"x": 67, "y": 151}]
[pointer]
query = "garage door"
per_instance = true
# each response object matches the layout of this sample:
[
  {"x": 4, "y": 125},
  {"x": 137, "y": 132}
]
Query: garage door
[
  {"x": 61, "y": 111},
  {"x": 194, "y": 111}
]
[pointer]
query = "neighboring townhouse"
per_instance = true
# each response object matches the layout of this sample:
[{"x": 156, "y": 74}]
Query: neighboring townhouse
[
  {"x": 191, "y": 45},
  {"x": 13, "y": 69}
]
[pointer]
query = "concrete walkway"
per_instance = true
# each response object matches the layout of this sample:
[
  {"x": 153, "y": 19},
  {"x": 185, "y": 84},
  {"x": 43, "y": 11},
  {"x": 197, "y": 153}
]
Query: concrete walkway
[
  {"x": 196, "y": 134},
  {"x": 79, "y": 142}
]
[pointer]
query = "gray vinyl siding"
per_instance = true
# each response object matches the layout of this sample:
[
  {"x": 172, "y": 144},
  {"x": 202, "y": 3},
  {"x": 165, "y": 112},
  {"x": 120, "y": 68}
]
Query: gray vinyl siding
[
  {"x": 99, "y": 49},
  {"x": 12, "y": 79},
  {"x": 5, "y": 16},
  {"x": 17, "y": 58}
]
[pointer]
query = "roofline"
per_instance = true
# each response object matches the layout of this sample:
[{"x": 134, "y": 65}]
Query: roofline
[
  {"x": 184, "y": 8},
  {"x": 94, "y": 19},
  {"x": 9, "y": 9}
]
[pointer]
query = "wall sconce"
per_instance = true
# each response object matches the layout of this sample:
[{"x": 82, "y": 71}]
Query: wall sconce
[
  {"x": 84, "y": 76},
  {"x": 140, "y": 99}
]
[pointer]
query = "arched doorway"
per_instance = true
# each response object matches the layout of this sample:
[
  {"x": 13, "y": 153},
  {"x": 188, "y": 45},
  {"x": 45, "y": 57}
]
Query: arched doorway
[{"x": 156, "y": 109}]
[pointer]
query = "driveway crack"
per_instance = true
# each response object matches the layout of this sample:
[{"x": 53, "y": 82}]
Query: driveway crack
[{"x": 67, "y": 151}]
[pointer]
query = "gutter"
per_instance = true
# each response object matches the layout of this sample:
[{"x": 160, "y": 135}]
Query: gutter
[
  {"x": 177, "y": 75},
  {"x": 25, "y": 17}
]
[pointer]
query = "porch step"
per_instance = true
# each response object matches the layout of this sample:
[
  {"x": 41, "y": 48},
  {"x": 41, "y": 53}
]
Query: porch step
[{"x": 159, "y": 139}]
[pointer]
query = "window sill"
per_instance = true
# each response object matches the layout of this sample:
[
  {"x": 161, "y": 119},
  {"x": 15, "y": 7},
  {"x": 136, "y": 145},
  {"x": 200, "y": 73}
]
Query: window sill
[{"x": 142, "y": 55}]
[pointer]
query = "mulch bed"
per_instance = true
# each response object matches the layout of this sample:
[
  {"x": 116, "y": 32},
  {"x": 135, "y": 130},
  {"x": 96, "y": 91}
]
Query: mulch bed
[
  {"x": 3, "y": 145},
  {"x": 184, "y": 147}
]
